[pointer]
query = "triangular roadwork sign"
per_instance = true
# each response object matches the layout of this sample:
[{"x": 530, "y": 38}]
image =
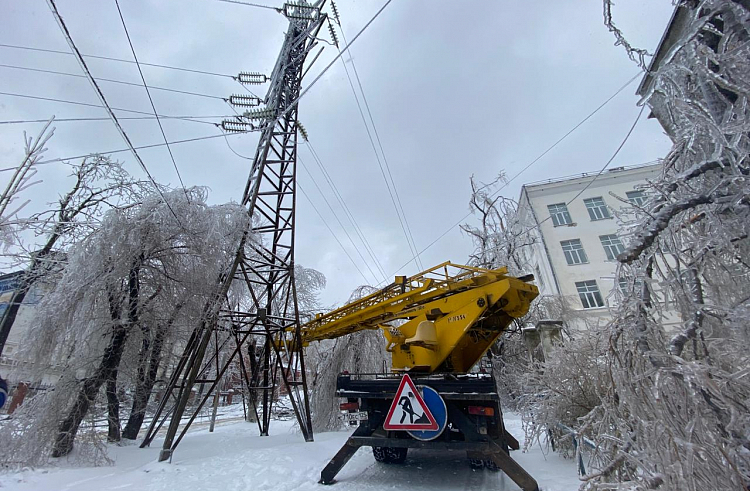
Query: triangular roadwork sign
[{"x": 408, "y": 410}]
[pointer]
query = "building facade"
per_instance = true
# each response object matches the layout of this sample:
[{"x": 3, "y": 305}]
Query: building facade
[
  {"x": 13, "y": 367},
  {"x": 577, "y": 238}
]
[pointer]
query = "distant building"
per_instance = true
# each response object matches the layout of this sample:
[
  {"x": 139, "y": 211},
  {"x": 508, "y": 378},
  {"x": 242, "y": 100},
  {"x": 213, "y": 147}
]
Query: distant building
[
  {"x": 12, "y": 367},
  {"x": 577, "y": 238}
]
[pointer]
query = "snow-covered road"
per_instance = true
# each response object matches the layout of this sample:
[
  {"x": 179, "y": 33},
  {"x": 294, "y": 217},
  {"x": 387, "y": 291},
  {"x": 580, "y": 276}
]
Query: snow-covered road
[{"x": 235, "y": 458}]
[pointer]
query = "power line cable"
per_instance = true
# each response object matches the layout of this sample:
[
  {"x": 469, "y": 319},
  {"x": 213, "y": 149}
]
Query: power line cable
[
  {"x": 98, "y": 79},
  {"x": 341, "y": 52},
  {"x": 637, "y": 75},
  {"x": 99, "y": 92},
  {"x": 314, "y": 208},
  {"x": 389, "y": 186},
  {"x": 347, "y": 211},
  {"x": 318, "y": 212},
  {"x": 397, "y": 203},
  {"x": 86, "y": 104},
  {"x": 335, "y": 215},
  {"x": 130, "y": 118},
  {"x": 250, "y": 4},
  {"x": 151, "y": 100},
  {"x": 592, "y": 113},
  {"x": 588, "y": 185},
  {"x": 597, "y": 175},
  {"x": 109, "y": 58},
  {"x": 334, "y": 235},
  {"x": 141, "y": 147}
]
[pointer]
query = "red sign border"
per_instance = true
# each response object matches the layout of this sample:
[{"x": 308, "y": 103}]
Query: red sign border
[{"x": 433, "y": 426}]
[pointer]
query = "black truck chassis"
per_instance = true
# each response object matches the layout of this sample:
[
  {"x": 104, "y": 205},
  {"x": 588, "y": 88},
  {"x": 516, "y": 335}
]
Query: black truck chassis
[{"x": 483, "y": 437}]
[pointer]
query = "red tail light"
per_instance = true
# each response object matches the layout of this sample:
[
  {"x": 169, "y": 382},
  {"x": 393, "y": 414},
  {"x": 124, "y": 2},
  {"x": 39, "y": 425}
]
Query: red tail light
[
  {"x": 349, "y": 406},
  {"x": 481, "y": 411}
]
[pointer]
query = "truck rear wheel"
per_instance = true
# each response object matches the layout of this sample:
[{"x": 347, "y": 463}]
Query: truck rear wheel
[
  {"x": 390, "y": 455},
  {"x": 396, "y": 455},
  {"x": 379, "y": 454}
]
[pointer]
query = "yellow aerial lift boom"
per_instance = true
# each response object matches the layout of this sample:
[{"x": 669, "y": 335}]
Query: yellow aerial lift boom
[
  {"x": 452, "y": 313},
  {"x": 437, "y": 326}
]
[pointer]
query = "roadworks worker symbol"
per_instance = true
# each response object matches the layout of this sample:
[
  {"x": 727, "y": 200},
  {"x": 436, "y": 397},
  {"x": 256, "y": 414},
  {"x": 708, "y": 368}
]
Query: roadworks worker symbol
[{"x": 408, "y": 410}]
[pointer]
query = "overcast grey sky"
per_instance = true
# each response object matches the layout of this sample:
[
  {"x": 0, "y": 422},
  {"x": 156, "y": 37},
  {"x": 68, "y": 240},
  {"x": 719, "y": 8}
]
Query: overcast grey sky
[{"x": 455, "y": 88}]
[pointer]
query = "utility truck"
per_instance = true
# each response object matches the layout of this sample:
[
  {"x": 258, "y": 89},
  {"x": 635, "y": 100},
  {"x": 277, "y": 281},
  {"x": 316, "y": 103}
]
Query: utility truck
[{"x": 437, "y": 326}]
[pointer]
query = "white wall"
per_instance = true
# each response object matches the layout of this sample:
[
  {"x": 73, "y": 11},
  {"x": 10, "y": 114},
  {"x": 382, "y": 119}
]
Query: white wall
[{"x": 552, "y": 263}]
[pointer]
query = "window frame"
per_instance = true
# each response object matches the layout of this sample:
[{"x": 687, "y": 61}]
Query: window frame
[
  {"x": 612, "y": 250},
  {"x": 564, "y": 212},
  {"x": 638, "y": 197},
  {"x": 572, "y": 252},
  {"x": 597, "y": 209},
  {"x": 589, "y": 294},
  {"x": 539, "y": 278}
]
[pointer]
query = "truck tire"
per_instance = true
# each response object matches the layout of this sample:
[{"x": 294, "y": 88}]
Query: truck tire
[
  {"x": 396, "y": 455},
  {"x": 491, "y": 465},
  {"x": 476, "y": 464},
  {"x": 379, "y": 454}
]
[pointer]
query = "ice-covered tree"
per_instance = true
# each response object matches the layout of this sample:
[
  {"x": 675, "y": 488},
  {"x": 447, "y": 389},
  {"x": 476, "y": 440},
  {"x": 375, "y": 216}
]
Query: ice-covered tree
[
  {"x": 131, "y": 282},
  {"x": 19, "y": 181},
  {"x": 499, "y": 238},
  {"x": 676, "y": 413},
  {"x": 502, "y": 238},
  {"x": 360, "y": 352},
  {"x": 99, "y": 183}
]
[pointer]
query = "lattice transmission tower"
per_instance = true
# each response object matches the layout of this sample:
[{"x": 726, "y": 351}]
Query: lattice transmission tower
[{"x": 263, "y": 269}]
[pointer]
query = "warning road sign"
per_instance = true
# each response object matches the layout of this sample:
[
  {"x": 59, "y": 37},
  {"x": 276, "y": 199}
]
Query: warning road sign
[{"x": 408, "y": 410}]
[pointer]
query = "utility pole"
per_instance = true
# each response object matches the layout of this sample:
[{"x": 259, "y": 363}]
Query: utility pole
[{"x": 263, "y": 269}]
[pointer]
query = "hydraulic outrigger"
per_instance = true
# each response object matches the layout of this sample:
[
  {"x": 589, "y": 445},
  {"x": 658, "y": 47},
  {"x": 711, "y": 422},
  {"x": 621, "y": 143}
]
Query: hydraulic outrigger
[{"x": 437, "y": 326}]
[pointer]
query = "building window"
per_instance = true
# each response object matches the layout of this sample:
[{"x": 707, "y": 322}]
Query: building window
[
  {"x": 627, "y": 285},
  {"x": 597, "y": 209},
  {"x": 573, "y": 250},
  {"x": 612, "y": 246},
  {"x": 560, "y": 215},
  {"x": 636, "y": 198},
  {"x": 539, "y": 278},
  {"x": 589, "y": 293}
]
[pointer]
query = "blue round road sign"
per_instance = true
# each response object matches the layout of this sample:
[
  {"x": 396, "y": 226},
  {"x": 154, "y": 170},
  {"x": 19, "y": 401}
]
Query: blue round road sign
[{"x": 436, "y": 405}]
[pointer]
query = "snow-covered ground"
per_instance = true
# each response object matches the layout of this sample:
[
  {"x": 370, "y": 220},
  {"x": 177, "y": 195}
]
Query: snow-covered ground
[{"x": 234, "y": 457}]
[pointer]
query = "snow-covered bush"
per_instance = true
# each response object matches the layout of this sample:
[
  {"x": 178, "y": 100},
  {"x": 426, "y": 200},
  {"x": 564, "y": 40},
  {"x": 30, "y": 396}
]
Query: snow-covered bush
[
  {"x": 567, "y": 386},
  {"x": 360, "y": 352}
]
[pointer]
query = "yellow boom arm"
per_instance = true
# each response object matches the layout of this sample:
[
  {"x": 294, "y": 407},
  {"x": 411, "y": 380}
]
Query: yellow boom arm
[{"x": 441, "y": 320}]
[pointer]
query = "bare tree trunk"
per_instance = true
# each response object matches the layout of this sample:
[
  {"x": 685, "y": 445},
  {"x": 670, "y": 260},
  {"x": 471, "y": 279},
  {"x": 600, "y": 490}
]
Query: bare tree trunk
[
  {"x": 113, "y": 410},
  {"x": 147, "y": 378},
  {"x": 107, "y": 368},
  {"x": 110, "y": 360}
]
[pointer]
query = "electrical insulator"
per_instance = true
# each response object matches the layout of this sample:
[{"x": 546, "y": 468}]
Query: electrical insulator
[
  {"x": 335, "y": 13},
  {"x": 259, "y": 113},
  {"x": 244, "y": 100},
  {"x": 302, "y": 131},
  {"x": 233, "y": 126},
  {"x": 251, "y": 78},
  {"x": 300, "y": 10},
  {"x": 333, "y": 34}
]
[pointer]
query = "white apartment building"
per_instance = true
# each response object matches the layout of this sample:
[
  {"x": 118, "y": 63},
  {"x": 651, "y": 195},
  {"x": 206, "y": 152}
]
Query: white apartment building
[{"x": 577, "y": 237}]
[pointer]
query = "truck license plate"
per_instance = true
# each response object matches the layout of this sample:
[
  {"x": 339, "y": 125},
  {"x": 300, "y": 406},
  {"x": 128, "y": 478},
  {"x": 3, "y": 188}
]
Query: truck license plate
[{"x": 358, "y": 416}]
